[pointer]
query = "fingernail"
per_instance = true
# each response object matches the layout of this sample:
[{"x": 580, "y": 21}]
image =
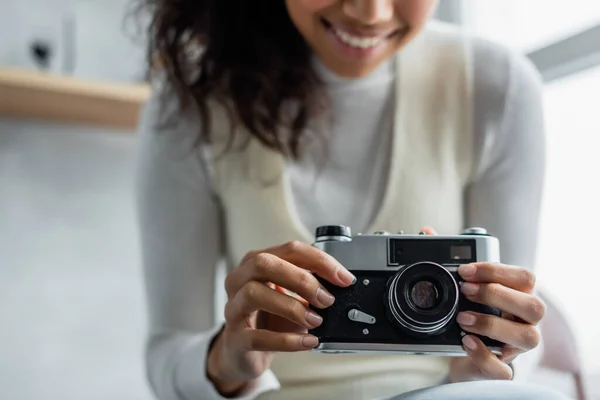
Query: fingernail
[
  {"x": 310, "y": 342},
  {"x": 313, "y": 320},
  {"x": 467, "y": 270},
  {"x": 466, "y": 319},
  {"x": 346, "y": 277},
  {"x": 469, "y": 289},
  {"x": 326, "y": 299},
  {"x": 469, "y": 343}
]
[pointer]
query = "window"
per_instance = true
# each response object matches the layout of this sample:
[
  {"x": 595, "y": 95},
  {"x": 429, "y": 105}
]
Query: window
[
  {"x": 529, "y": 24},
  {"x": 568, "y": 260}
]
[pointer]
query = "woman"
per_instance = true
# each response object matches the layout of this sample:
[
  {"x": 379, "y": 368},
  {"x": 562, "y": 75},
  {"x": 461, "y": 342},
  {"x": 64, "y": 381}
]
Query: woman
[{"x": 283, "y": 116}]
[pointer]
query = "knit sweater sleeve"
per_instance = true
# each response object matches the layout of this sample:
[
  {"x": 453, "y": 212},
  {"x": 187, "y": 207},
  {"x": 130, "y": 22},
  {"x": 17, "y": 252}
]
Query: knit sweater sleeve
[
  {"x": 506, "y": 192},
  {"x": 180, "y": 239}
]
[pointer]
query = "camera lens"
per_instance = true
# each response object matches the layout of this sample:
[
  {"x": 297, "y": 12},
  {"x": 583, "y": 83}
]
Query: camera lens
[
  {"x": 422, "y": 299},
  {"x": 425, "y": 295}
]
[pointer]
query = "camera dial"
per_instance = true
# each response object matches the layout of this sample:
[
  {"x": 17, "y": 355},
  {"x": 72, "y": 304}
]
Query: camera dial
[
  {"x": 475, "y": 231},
  {"x": 340, "y": 233}
]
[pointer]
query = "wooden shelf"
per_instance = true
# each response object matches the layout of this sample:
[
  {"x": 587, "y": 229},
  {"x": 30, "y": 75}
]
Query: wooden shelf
[{"x": 40, "y": 96}]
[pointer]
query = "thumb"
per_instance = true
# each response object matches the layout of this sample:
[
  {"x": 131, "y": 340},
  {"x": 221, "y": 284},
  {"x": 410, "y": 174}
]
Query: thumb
[{"x": 463, "y": 369}]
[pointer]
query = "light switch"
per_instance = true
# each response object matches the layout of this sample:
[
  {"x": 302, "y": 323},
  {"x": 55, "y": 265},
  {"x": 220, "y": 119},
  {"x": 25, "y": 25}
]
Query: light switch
[{"x": 25, "y": 23}]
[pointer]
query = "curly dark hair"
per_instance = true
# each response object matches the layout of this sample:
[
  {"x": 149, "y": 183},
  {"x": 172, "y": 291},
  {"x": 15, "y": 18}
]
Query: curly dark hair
[{"x": 252, "y": 60}]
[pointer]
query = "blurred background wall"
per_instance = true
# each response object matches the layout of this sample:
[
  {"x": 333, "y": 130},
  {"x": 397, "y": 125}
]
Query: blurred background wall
[{"x": 71, "y": 300}]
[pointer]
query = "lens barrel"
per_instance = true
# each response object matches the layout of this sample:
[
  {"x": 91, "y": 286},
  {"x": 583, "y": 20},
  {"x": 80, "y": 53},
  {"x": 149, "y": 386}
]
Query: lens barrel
[{"x": 422, "y": 299}]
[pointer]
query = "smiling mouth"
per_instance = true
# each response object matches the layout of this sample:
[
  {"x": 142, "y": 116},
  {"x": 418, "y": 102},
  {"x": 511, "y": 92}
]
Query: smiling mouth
[{"x": 357, "y": 41}]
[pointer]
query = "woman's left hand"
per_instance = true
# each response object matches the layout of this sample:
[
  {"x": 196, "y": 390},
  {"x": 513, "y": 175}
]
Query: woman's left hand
[{"x": 510, "y": 289}]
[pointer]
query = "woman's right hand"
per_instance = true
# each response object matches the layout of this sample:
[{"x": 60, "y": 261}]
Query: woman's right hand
[{"x": 261, "y": 319}]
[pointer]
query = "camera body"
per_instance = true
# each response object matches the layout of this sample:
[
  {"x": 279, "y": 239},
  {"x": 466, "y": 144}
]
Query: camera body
[{"x": 407, "y": 293}]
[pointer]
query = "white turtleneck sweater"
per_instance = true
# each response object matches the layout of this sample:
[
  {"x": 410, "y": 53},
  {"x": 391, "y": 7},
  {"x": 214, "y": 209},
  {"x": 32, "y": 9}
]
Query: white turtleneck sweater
[{"x": 181, "y": 219}]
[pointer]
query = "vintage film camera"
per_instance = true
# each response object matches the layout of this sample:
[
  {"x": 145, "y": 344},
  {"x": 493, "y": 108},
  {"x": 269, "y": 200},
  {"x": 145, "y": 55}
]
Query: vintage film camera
[{"x": 407, "y": 293}]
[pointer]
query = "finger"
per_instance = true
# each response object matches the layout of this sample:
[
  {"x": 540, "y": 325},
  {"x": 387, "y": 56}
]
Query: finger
[
  {"x": 263, "y": 340},
  {"x": 528, "y": 307},
  {"x": 509, "y": 353},
  {"x": 428, "y": 231},
  {"x": 517, "y": 278},
  {"x": 522, "y": 336},
  {"x": 488, "y": 363},
  {"x": 294, "y": 295},
  {"x": 312, "y": 259},
  {"x": 256, "y": 296},
  {"x": 268, "y": 268}
]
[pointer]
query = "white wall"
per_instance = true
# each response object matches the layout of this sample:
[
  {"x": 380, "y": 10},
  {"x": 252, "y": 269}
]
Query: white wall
[
  {"x": 91, "y": 38},
  {"x": 72, "y": 309}
]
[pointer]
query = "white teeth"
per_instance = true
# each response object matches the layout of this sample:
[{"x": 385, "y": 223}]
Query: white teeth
[{"x": 356, "y": 41}]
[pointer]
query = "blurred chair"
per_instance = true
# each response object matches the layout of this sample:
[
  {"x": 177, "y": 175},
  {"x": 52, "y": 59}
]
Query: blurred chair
[{"x": 560, "y": 348}]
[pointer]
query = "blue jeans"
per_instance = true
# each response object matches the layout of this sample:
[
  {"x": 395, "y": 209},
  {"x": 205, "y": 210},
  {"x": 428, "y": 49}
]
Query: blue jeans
[{"x": 484, "y": 390}]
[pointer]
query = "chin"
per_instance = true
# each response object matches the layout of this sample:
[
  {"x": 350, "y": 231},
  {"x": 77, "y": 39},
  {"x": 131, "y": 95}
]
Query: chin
[
  {"x": 355, "y": 74},
  {"x": 354, "y": 71}
]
